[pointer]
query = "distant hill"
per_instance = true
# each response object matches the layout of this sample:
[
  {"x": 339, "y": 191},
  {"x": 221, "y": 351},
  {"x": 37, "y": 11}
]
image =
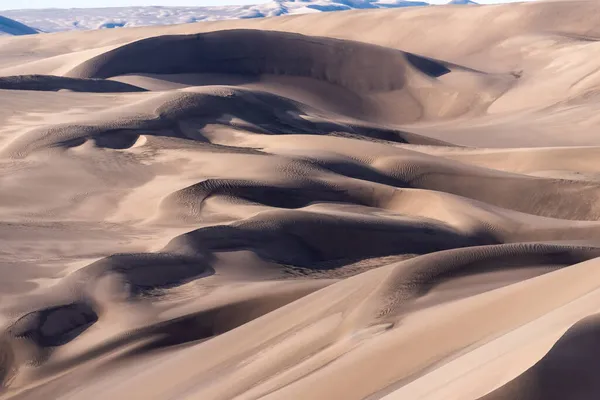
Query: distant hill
[
  {"x": 462, "y": 2},
  {"x": 53, "y": 20},
  {"x": 11, "y": 27}
]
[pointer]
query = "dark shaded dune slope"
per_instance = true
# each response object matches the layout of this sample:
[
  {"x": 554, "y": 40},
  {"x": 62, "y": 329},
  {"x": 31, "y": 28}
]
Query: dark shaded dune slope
[
  {"x": 419, "y": 275},
  {"x": 55, "y": 83},
  {"x": 356, "y": 66},
  {"x": 568, "y": 371},
  {"x": 257, "y": 112},
  {"x": 54, "y": 326},
  {"x": 143, "y": 272},
  {"x": 187, "y": 203},
  {"x": 422, "y": 276},
  {"x": 297, "y": 237}
]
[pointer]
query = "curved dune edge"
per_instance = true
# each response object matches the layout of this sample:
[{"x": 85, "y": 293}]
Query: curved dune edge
[
  {"x": 253, "y": 52},
  {"x": 56, "y": 83},
  {"x": 574, "y": 348},
  {"x": 323, "y": 206}
]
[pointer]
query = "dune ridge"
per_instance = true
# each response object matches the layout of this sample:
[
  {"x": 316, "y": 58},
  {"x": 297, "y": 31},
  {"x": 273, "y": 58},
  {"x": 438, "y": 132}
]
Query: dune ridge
[
  {"x": 316, "y": 206},
  {"x": 56, "y": 83}
]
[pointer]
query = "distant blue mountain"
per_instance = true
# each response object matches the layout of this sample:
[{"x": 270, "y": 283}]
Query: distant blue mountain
[
  {"x": 462, "y": 2},
  {"x": 11, "y": 27},
  {"x": 56, "y": 19}
]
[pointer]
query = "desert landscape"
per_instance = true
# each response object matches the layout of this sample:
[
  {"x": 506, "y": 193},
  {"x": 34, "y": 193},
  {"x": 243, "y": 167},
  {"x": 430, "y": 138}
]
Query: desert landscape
[{"x": 374, "y": 204}]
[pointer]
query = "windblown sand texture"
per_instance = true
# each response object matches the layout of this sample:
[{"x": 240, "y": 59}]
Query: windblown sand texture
[{"x": 389, "y": 204}]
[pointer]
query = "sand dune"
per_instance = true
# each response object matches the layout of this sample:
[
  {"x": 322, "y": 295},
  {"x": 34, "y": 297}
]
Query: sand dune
[
  {"x": 55, "y": 83},
  {"x": 253, "y": 52},
  {"x": 380, "y": 204},
  {"x": 571, "y": 358}
]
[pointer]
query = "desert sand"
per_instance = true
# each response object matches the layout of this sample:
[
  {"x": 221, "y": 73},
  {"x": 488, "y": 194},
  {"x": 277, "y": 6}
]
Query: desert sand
[{"x": 381, "y": 204}]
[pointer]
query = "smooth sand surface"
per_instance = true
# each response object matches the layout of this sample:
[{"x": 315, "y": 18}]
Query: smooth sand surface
[{"x": 381, "y": 204}]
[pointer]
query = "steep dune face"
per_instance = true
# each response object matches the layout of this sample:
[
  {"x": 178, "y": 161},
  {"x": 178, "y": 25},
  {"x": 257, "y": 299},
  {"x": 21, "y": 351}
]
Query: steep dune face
[
  {"x": 353, "y": 65},
  {"x": 56, "y": 83},
  {"x": 572, "y": 359},
  {"x": 323, "y": 207},
  {"x": 378, "y": 76}
]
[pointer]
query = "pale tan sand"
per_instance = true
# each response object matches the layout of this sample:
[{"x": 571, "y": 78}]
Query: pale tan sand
[{"x": 384, "y": 204}]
